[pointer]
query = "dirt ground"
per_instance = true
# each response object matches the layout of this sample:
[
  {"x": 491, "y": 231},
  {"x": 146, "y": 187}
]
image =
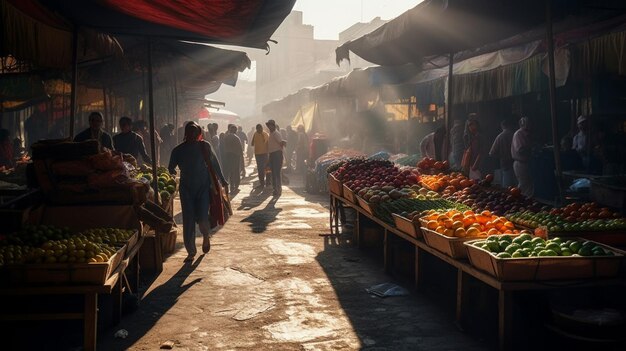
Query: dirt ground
[{"x": 274, "y": 281}]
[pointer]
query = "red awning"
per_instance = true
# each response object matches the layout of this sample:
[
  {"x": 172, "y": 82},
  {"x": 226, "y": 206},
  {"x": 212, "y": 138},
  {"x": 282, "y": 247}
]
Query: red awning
[{"x": 247, "y": 23}]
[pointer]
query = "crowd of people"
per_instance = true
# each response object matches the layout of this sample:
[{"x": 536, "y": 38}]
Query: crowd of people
[{"x": 513, "y": 149}]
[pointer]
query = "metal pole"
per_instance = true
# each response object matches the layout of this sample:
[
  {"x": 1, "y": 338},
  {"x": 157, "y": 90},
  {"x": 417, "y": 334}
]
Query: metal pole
[
  {"x": 176, "y": 105},
  {"x": 552, "y": 92},
  {"x": 74, "y": 81},
  {"x": 450, "y": 101},
  {"x": 155, "y": 183}
]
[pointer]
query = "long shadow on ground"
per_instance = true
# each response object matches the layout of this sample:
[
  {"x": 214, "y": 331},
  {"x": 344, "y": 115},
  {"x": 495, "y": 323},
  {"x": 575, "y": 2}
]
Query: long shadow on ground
[{"x": 153, "y": 306}]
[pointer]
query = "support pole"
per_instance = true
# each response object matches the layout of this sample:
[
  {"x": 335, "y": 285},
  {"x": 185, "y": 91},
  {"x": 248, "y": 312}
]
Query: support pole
[
  {"x": 450, "y": 102},
  {"x": 74, "y": 80},
  {"x": 155, "y": 183},
  {"x": 107, "y": 117},
  {"x": 552, "y": 92},
  {"x": 176, "y": 105}
]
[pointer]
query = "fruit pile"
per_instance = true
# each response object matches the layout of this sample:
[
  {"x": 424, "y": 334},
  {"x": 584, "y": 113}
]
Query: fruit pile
[
  {"x": 430, "y": 166},
  {"x": 412, "y": 208},
  {"x": 376, "y": 194},
  {"x": 167, "y": 184},
  {"x": 365, "y": 173},
  {"x": 527, "y": 246},
  {"x": 463, "y": 224},
  {"x": 576, "y": 211},
  {"x": 557, "y": 223},
  {"x": 48, "y": 244},
  {"x": 447, "y": 184},
  {"x": 498, "y": 201}
]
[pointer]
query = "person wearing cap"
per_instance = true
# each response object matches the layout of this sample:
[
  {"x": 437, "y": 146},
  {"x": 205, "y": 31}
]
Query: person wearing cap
[
  {"x": 520, "y": 151},
  {"x": 196, "y": 185},
  {"x": 96, "y": 132},
  {"x": 275, "y": 146}
]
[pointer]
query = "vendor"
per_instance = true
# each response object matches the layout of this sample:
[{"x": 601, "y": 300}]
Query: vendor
[
  {"x": 501, "y": 149},
  {"x": 6, "y": 150},
  {"x": 432, "y": 144},
  {"x": 581, "y": 142},
  {"x": 130, "y": 142},
  {"x": 521, "y": 151},
  {"x": 96, "y": 132}
]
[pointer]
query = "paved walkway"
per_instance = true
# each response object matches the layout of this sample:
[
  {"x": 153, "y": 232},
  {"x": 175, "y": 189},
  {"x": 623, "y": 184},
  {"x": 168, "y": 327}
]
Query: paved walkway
[{"x": 272, "y": 282}]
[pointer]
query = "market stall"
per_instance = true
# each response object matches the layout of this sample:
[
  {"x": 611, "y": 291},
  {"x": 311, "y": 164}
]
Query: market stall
[{"x": 480, "y": 236}]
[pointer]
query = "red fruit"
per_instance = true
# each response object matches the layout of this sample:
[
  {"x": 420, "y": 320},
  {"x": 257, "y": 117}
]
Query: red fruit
[
  {"x": 489, "y": 178},
  {"x": 516, "y": 192}
]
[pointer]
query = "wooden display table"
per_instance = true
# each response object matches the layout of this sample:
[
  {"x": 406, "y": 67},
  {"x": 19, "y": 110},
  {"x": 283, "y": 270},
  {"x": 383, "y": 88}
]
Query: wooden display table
[
  {"x": 464, "y": 270},
  {"x": 117, "y": 283}
]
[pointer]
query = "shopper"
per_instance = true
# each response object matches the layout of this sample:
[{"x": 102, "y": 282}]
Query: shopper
[
  {"x": 250, "y": 150},
  {"x": 501, "y": 149},
  {"x": 472, "y": 157},
  {"x": 232, "y": 159},
  {"x": 520, "y": 151},
  {"x": 96, "y": 132},
  {"x": 259, "y": 143},
  {"x": 141, "y": 128},
  {"x": 130, "y": 142},
  {"x": 456, "y": 144},
  {"x": 275, "y": 146},
  {"x": 242, "y": 137},
  {"x": 199, "y": 182}
]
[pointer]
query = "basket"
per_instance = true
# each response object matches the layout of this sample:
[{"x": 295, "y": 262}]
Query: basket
[
  {"x": 407, "y": 226},
  {"x": 349, "y": 195},
  {"x": 544, "y": 268},
  {"x": 450, "y": 246},
  {"x": 367, "y": 206},
  {"x": 334, "y": 185}
]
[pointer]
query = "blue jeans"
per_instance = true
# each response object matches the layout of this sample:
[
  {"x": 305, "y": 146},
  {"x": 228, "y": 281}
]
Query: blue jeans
[
  {"x": 195, "y": 207},
  {"x": 276, "y": 165},
  {"x": 261, "y": 162}
]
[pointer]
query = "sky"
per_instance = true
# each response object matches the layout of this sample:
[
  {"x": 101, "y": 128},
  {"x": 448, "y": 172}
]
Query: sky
[{"x": 329, "y": 17}]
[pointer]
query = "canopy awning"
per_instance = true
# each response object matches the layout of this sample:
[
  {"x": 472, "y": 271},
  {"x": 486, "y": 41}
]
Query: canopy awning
[
  {"x": 247, "y": 23},
  {"x": 441, "y": 27},
  {"x": 31, "y": 33}
]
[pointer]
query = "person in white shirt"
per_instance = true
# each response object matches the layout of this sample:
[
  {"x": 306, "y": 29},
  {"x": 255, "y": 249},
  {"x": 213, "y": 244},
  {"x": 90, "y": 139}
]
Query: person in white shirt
[
  {"x": 432, "y": 144},
  {"x": 275, "y": 146},
  {"x": 520, "y": 151},
  {"x": 580, "y": 142}
]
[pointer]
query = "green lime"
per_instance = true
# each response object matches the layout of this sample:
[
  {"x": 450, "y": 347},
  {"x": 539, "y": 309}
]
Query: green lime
[
  {"x": 493, "y": 246},
  {"x": 517, "y": 254},
  {"x": 503, "y": 255},
  {"x": 556, "y": 240},
  {"x": 506, "y": 237},
  {"x": 518, "y": 240},
  {"x": 598, "y": 251},
  {"x": 527, "y": 244},
  {"x": 537, "y": 240},
  {"x": 575, "y": 246},
  {"x": 512, "y": 248},
  {"x": 547, "y": 253},
  {"x": 554, "y": 247},
  {"x": 492, "y": 238},
  {"x": 566, "y": 252},
  {"x": 585, "y": 251}
]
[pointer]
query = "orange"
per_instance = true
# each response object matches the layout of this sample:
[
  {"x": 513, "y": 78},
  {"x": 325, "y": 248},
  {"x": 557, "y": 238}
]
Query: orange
[
  {"x": 440, "y": 229},
  {"x": 472, "y": 231},
  {"x": 449, "y": 232},
  {"x": 457, "y": 224},
  {"x": 467, "y": 221},
  {"x": 509, "y": 225},
  {"x": 468, "y": 213},
  {"x": 442, "y": 218},
  {"x": 457, "y": 217},
  {"x": 493, "y": 231},
  {"x": 432, "y": 225},
  {"x": 460, "y": 233},
  {"x": 448, "y": 223},
  {"x": 486, "y": 213}
]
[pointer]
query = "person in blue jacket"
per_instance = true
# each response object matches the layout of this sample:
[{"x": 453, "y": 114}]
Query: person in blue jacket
[{"x": 195, "y": 185}]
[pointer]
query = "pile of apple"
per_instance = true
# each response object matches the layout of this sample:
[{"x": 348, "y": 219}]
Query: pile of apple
[
  {"x": 577, "y": 211},
  {"x": 365, "y": 173},
  {"x": 431, "y": 166},
  {"x": 498, "y": 201}
]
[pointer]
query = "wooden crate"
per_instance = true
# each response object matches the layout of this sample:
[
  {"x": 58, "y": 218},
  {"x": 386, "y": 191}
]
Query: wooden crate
[
  {"x": 334, "y": 185},
  {"x": 450, "y": 246},
  {"x": 407, "y": 226},
  {"x": 64, "y": 273},
  {"x": 168, "y": 241},
  {"x": 349, "y": 195},
  {"x": 367, "y": 206},
  {"x": 545, "y": 268}
]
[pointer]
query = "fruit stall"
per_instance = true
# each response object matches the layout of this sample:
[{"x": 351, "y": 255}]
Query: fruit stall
[
  {"x": 504, "y": 240},
  {"x": 80, "y": 234}
]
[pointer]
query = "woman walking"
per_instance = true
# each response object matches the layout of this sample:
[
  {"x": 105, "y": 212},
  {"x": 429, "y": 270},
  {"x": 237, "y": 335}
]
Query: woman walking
[{"x": 200, "y": 175}]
